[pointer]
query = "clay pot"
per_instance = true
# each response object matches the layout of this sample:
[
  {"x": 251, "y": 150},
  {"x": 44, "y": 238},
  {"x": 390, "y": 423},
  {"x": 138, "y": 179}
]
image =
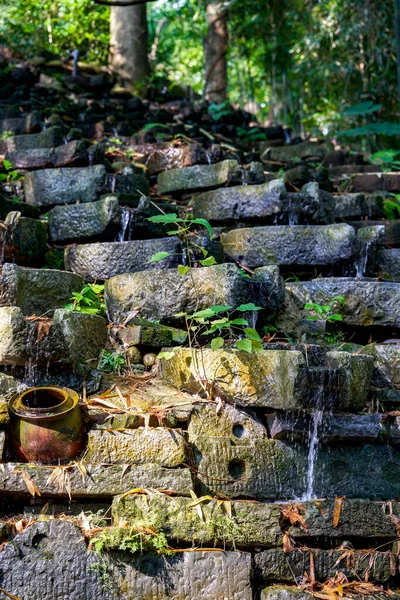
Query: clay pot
[{"x": 46, "y": 425}]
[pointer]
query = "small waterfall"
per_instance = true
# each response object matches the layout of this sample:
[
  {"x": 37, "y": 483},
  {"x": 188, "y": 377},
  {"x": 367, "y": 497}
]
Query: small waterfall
[
  {"x": 361, "y": 261},
  {"x": 90, "y": 155},
  {"x": 125, "y": 221},
  {"x": 317, "y": 417}
]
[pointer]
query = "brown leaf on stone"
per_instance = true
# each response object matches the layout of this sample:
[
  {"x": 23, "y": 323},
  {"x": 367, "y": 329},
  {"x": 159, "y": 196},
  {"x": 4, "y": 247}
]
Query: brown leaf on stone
[
  {"x": 44, "y": 324},
  {"x": 293, "y": 513},
  {"x": 9, "y": 595},
  {"x": 30, "y": 484},
  {"x": 337, "y": 510},
  {"x": 287, "y": 543}
]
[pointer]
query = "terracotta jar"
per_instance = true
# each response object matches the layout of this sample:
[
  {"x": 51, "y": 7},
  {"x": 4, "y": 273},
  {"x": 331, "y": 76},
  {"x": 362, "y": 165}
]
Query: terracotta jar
[{"x": 46, "y": 425}]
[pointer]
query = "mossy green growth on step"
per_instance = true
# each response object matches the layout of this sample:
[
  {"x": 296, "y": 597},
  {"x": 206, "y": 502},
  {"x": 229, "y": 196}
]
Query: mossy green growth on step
[{"x": 203, "y": 521}]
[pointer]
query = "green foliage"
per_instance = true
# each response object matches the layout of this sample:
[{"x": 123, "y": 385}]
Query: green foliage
[
  {"x": 391, "y": 207},
  {"x": 334, "y": 338},
  {"x": 130, "y": 540},
  {"x": 184, "y": 228},
  {"x": 360, "y": 110},
  {"x": 389, "y": 159},
  {"x": 327, "y": 312},
  {"x": 5, "y": 135},
  {"x": 384, "y": 128},
  {"x": 111, "y": 362},
  {"x": 11, "y": 173},
  {"x": 218, "y": 111},
  {"x": 89, "y": 300},
  {"x": 54, "y": 259}
]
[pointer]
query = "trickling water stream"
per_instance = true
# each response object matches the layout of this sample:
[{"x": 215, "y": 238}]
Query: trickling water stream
[
  {"x": 313, "y": 449},
  {"x": 125, "y": 221},
  {"x": 362, "y": 259}
]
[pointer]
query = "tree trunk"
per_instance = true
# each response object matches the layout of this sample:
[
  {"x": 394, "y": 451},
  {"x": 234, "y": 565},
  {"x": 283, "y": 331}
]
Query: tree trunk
[
  {"x": 129, "y": 46},
  {"x": 397, "y": 29},
  {"x": 215, "y": 48}
]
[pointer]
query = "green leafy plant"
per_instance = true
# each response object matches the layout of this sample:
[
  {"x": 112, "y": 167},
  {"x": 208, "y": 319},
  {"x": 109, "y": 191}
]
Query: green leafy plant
[
  {"x": 11, "y": 174},
  {"x": 334, "y": 338},
  {"x": 389, "y": 159},
  {"x": 218, "y": 111},
  {"x": 54, "y": 259},
  {"x": 327, "y": 312},
  {"x": 111, "y": 362},
  {"x": 183, "y": 228},
  {"x": 89, "y": 300},
  {"x": 130, "y": 540},
  {"x": 252, "y": 134},
  {"x": 391, "y": 207},
  {"x": 5, "y": 135}
]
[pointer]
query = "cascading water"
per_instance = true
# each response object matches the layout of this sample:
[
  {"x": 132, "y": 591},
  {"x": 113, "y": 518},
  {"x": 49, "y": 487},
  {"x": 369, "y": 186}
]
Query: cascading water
[
  {"x": 125, "y": 221},
  {"x": 317, "y": 417},
  {"x": 362, "y": 258}
]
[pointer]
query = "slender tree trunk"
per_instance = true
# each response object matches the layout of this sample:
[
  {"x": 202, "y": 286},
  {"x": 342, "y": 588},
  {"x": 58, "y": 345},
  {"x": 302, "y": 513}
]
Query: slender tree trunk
[
  {"x": 397, "y": 25},
  {"x": 129, "y": 46},
  {"x": 215, "y": 49}
]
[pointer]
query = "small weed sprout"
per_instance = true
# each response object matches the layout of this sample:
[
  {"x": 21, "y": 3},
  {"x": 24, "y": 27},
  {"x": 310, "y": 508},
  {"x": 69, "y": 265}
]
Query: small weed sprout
[{"x": 327, "y": 312}]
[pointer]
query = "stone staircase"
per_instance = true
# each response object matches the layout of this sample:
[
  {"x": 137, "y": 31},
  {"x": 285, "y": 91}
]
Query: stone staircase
[{"x": 262, "y": 474}]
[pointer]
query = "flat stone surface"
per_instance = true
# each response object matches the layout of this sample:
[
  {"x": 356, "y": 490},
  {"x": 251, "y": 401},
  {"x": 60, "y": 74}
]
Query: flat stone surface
[
  {"x": 25, "y": 240},
  {"x": 79, "y": 221},
  {"x": 250, "y": 524},
  {"x": 303, "y": 150},
  {"x": 349, "y": 206},
  {"x": 85, "y": 335},
  {"x": 48, "y": 187},
  {"x": 371, "y": 182},
  {"x": 358, "y": 519},
  {"x": 265, "y": 378},
  {"x": 37, "y": 291},
  {"x": 197, "y": 177},
  {"x": 70, "y": 154},
  {"x": 129, "y": 185},
  {"x": 387, "y": 261},
  {"x": 161, "y": 294},
  {"x": 240, "y": 425},
  {"x": 334, "y": 428},
  {"x": 357, "y": 369},
  {"x": 276, "y": 566},
  {"x": 386, "y": 364},
  {"x": 100, "y": 482},
  {"x": 51, "y": 137},
  {"x": 165, "y": 156},
  {"x": 102, "y": 261},
  {"x": 12, "y": 336},
  {"x": 141, "y": 332},
  {"x": 366, "y": 302},
  {"x": 275, "y": 470},
  {"x": 390, "y": 230},
  {"x": 290, "y": 245},
  {"x": 164, "y": 447},
  {"x": 257, "y": 202},
  {"x": 20, "y": 125}
]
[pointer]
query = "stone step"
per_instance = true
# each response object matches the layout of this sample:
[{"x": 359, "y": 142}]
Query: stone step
[
  {"x": 352, "y": 206},
  {"x": 373, "y": 182},
  {"x": 205, "y": 177},
  {"x": 26, "y": 210},
  {"x": 313, "y": 245},
  {"x": 30, "y": 123},
  {"x": 68, "y": 155},
  {"x": 390, "y": 235},
  {"x": 274, "y": 470},
  {"x": 48, "y": 187},
  {"x": 386, "y": 262},
  {"x": 250, "y": 524},
  {"x": 99, "y": 482},
  {"x": 69, "y": 338},
  {"x": 266, "y": 202},
  {"x": 293, "y": 426},
  {"x": 367, "y": 302},
  {"x": 293, "y": 152},
  {"x": 275, "y": 565},
  {"x": 68, "y": 570},
  {"x": 272, "y": 378},
  {"x": 109, "y": 259},
  {"x": 164, "y": 156},
  {"x": 37, "y": 291},
  {"x": 50, "y": 138},
  {"x": 23, "y": 240},
  {"x": 160, "y": 446},
  {"x": 162, "y": 294},
  {"x": 79, "y": 221}
]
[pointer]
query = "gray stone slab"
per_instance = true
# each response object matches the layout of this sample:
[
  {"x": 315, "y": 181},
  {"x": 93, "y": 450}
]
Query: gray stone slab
[
  {"x": 48, "y": 187},
  {"x": 70, "y": 154},
  {"x": 79, "y": 221},
  {"x": 290, "y": 245},
  {"x": 108, "y": 259},
  {"x": 367, "y": 302},
  {"x": 164, "y": 447},
  {"x": 25, "y": 239},
  {"x": 197, "y": 177},
  {"x": 37, "y": 291}
]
